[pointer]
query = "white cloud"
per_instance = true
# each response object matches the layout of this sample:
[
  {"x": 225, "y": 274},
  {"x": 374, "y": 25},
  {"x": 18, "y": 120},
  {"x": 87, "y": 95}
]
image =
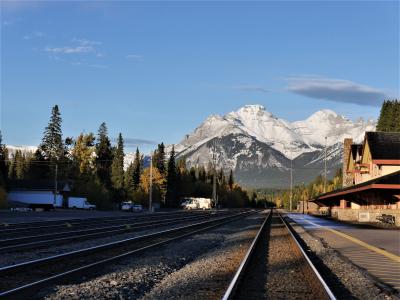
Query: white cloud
[
  {"x": 82, "y": 46},
  {"x": 70, "y": 50},
  {"x": 85, "y": 42},
  {"x": 134, "y": 142},
  {"x": 337, "y": 90}
]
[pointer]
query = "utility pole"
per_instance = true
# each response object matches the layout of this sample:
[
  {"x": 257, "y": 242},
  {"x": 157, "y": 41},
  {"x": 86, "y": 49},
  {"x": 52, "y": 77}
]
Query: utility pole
[
  {"x": 326, "y": 139},
  {"x": 291, "y": 180},
  {"x": 214, "y": 195},
  {"x": 151, "y": 183},
  {"x": 303, "y": 198},
  {"x": 55, "y": 184}
]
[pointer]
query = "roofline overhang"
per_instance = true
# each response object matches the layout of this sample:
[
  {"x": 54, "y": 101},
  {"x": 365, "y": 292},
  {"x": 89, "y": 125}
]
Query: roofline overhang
[
  {"x": 362, "y": 188},
  {"x": 386, "y": 161}
]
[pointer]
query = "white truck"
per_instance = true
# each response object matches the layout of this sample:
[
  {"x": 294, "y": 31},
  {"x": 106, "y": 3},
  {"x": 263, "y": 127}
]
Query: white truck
[
  {"x": 35, "y": 199},
  {"x": 197, "y": 203},
  {"x": 82, "y": 203}
]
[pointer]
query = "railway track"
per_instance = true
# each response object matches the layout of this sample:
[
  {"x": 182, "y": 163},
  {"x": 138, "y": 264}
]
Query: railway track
[
  {"x": 52, "y": 239},
  {"x": 277, "y": 267},
  {"x": 23, "y": 280},
  {"x": 13, "y": 230}
]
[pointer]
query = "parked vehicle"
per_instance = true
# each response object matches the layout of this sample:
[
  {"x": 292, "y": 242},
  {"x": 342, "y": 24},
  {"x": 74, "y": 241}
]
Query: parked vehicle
[
  {"x": 129, "y": 206},
  {"x": 137, "y": 207},
  {"x": 82, "y": 203},
  {"x": 35, "y": 199},
  {"x": 197, "y": 203},
  {"x": 126, "y": 206}
]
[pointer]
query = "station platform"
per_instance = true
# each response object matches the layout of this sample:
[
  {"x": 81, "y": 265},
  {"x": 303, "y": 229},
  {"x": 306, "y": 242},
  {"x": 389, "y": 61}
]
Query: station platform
[{"x": 376, "y": 250}]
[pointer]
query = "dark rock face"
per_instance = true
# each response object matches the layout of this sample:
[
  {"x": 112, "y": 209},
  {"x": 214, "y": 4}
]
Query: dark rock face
[{"x": 256, "y": 164}]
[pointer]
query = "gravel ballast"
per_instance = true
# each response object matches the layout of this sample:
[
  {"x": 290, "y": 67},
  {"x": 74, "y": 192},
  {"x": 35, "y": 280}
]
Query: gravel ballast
[
  {"x": 350, "y": 282},
  {"x": 11, "y": 258},
  {"x": 199, "y": 267}
]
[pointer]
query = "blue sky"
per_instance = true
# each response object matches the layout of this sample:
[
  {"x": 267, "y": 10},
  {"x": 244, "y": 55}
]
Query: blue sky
[{"x": 155, "y": 70}]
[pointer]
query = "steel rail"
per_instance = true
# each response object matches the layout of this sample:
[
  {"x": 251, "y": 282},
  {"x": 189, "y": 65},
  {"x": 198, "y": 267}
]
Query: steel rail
[
  {"x": 81, "y": 222},
  {"x": 48, "y": 240},
  {"x": 245, "y": 262},
  {"x": 28, "y": 289},
  {"x": 235, "y": 282},
  {"x": 105, "y": 246},
  {"x": 17, "y": 225},
  {"x": 326, "y": 288},
  {"x": 14, "y": 240}
]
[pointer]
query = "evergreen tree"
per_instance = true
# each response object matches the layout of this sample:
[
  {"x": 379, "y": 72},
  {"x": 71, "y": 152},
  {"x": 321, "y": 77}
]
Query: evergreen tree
[
  {"x": 117, "y": 167},
  {"x": 39, "y": 168},
  {"x": 128, "y": 180},
  {"x": 159, "y": 158},
  {"x": 11, "y": 168},
  {"x": 230, "y": 180},
  {"x": 389, "y": 118},
  {"x": 104, "y": 156},
  {"x": 3, "y": 164},
  {"x": 137, "y": 170},
  {"x": 383, "y": 120},
  {"x": 395, "y": 118},
  {"x": 52, "y": 144},
  {"x": 171, "y": 186},
  {"x": 19, "y": 165},
  {"x": 202, "y": 174}
]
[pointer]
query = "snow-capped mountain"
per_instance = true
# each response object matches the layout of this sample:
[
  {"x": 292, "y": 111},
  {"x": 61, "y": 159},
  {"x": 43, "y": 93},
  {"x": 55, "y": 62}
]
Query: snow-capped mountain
[
  {"x": 260, "y": 147},
  {"x": 24, "y": 149}
]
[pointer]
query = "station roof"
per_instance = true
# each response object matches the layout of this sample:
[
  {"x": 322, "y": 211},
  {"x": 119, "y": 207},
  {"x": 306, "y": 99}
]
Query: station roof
[
  {"x": 388, "y": 183},
  {"x": 384, "y": 145}
]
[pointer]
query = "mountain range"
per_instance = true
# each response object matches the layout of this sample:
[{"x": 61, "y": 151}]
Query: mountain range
[{"x": 260, "y": 148}]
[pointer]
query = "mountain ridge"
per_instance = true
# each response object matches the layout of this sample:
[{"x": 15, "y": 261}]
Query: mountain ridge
[{"x": 260, "y": 147}]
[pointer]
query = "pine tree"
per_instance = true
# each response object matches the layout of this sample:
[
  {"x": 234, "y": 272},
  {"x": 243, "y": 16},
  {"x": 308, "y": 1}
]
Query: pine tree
[
  {"x": 159, "y": 158},
  {"x": 389, "y": 118},
  {"x": 117, "y": 167},
  {"x": 171, "y": 186},
  {"x": 202, "y": 174},
  {"x": 383, "y": 120},
  {"x": 103, "y": 156},
  {"x": 128, "y": 180},
  {"x": 395, "y": 117},
  {"x": 230, "y": 180},
  {"x": 52, "y": 144},
  {"x": 19, "y": 165},
  {"x": 3, "y": 165},
  {"x": 39, "y": 168},
  {"x": 137, "y": 170}
]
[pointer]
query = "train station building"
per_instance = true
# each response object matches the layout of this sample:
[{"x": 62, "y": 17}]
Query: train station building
[{"x": 371, "y": 180}]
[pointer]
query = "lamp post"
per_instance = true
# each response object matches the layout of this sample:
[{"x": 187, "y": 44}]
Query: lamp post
[
  {"x": 326, "y": 139},
  {"x": 303, "y": 205},
  {"x": 214, "y": 194},
  {"x": 151, "y": 183},
  {"x": 291, "y": 180}
]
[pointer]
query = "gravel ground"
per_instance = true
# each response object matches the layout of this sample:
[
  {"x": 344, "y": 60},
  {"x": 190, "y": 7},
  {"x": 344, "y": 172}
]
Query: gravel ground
[
  {"x": 199, "y": 267},
  {"x": 10, "y": 217},
  {"x": 22, "y": 256},
  {"x": 286, "y": 272},
  {"x": 354, "y": 283}
]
